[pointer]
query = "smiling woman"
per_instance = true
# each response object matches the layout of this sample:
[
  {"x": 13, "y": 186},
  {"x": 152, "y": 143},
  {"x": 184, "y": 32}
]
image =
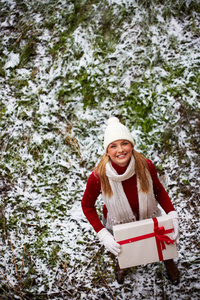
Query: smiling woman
[
  {"x": 120, "y": 152},
  {"x": 130, "y": 189}
]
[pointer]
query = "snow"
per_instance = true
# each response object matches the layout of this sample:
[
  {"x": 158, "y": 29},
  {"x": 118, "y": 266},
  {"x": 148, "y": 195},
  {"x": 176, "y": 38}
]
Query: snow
[
  {"x": 50, "y": 145},
  {"x": 13, "y": 60}
]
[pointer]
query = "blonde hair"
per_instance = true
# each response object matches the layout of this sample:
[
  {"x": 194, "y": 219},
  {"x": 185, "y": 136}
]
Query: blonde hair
[{"x": 141, "y": 171}]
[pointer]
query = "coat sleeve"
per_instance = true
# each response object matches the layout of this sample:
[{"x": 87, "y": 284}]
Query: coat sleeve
[
  {"x": 92, "y": 191},
  {"x": 160, "y": 193}
]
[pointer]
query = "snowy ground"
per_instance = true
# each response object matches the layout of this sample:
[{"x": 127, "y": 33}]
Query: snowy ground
[{"x": 64, "y": 70}]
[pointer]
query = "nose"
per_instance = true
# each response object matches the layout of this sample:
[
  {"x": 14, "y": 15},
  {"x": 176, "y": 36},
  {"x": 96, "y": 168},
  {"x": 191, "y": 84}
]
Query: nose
[{"x": 119, "y": 148}]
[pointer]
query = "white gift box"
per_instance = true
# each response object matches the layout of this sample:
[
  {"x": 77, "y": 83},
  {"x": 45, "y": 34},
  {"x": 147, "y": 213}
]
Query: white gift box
[{"x": 142, "y": 241}]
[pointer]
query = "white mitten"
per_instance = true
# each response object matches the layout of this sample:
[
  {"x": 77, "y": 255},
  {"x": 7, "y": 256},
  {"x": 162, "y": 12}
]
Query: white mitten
[
  {"x": 174, "y": 216},
  {"x": 108, "y": 240}
]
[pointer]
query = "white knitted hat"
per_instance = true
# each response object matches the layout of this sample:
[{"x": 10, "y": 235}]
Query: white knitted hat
[{"x": 116, "y": 131}]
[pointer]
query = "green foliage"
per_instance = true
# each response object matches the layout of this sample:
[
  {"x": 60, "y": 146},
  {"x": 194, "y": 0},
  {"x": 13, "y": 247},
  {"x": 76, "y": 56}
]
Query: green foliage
[
  {"x": 87, "y": 88},
  {"x": 2, "y": 72},
  {"x": 176, "y": 8},
  {"x": 28, "y": 52},
  {"x": 139, "y": 106}
]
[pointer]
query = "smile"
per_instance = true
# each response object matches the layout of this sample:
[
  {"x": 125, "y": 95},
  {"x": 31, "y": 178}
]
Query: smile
[{"x": 121, "y": 156}]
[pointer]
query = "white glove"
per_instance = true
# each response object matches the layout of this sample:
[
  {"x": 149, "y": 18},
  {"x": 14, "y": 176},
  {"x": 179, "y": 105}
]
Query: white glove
[
  {"x": 174, "y": 216},
  {"x": 108, "y": 240}
]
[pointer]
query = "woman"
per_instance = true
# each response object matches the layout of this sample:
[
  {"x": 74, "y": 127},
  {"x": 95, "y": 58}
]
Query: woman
[{"x": 130, "y": 189}]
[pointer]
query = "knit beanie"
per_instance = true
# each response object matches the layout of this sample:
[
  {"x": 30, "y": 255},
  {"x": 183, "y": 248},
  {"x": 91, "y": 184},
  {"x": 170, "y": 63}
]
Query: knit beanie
[{"x": 116, "y": 131}]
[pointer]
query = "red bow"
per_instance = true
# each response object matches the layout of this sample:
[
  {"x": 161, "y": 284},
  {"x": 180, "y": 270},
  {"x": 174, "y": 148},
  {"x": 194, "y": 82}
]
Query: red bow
[
  {"x": 159, "y": 233},
  {"x": 161, "y": 238}
]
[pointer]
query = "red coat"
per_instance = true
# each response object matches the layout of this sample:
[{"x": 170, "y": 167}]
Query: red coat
[{"x": 93, "y": 189}]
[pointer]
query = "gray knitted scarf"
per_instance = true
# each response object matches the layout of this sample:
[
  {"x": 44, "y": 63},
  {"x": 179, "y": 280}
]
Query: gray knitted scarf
[{"x": 119, "y": 209}]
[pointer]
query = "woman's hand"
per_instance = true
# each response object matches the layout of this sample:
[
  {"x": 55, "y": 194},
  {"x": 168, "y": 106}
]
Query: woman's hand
[
  {"x": 174, "y": 216},
  {"x": 109, "y": 242}
]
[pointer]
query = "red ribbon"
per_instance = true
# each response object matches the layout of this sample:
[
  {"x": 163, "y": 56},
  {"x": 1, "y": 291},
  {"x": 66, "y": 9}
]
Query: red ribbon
[
  {"x": 161, "y": 238},
  {"x": 159, "y": 234}
]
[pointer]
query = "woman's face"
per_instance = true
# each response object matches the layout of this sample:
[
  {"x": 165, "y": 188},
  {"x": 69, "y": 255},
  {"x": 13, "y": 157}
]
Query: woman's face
[{"x": 120, "y": 152}]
